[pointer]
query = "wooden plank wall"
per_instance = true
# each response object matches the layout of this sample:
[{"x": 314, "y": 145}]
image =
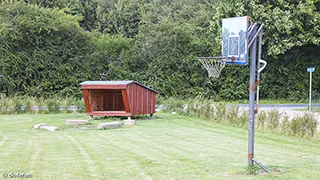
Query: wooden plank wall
[
  {"x": 141, "y": 100},
  {"x": 105, "y": 100}
]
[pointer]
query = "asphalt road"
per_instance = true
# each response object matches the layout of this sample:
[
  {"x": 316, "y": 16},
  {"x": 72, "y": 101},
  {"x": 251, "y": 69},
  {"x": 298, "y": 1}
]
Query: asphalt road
[{"x": 282, "y": 106}]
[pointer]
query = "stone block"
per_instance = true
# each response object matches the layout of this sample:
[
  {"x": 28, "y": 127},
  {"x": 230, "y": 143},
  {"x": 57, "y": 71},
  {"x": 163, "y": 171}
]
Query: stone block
[
  {"x": 37, "y": 126},
  {"x": 129, "y": 122},
  {"x": 50, "y": 128},
  {"x": 109, "y": 125},
  {"x": 76, "y": 122}
]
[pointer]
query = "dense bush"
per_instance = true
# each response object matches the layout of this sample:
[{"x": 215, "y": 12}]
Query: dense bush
[
  {"x": 31, "y": 105},
  {"x": 42, "y": 51},
  {"x": 48, "y": 47},
  {"x": 304, "y": 126},
  {"x": 173, "y": 105},
  {"x": 266, "y": 120}
]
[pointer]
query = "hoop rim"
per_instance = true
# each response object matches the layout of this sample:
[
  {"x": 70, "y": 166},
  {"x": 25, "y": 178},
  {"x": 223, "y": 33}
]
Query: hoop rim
[
  {"x": 211, "y": 57},
  {"x": 222, "y": 59}
]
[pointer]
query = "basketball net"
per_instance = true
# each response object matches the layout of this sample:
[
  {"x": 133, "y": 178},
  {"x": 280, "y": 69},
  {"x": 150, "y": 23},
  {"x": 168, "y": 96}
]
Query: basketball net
[{"x": 213, "y": 65}]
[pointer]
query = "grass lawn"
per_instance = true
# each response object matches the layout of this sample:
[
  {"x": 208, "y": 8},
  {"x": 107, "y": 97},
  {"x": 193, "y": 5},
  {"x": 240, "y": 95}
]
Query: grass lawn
[{"x": 167, "y": 147}]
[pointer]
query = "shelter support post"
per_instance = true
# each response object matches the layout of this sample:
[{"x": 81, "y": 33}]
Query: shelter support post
[
  {"x": 85, "y": 93},
  {"x": 125, "y": 99}
]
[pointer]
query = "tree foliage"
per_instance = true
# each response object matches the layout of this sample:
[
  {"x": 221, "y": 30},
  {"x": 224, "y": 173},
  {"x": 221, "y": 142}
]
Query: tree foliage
[
  {"x": 48, "y": 46},
  {"x": 39, "y": 48},
  {"x": 291, "y": 36}
]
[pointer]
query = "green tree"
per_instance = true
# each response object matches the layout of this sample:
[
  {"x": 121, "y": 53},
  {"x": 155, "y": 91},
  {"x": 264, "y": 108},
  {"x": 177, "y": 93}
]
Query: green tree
[
  {"x": 43, "y": 51},
  {"x": 119, "y": 17},
  {"x": 49, "y": 3},
  {"x": 287, "y": 24},
  {"x": 291, "y": 32},
  {"x": 171, "y": 35},
  {"x": 86, "y": 10}
]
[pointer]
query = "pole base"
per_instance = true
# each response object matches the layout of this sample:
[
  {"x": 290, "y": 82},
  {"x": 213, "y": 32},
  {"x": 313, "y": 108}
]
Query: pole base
[{"x": 261, "y": 165}]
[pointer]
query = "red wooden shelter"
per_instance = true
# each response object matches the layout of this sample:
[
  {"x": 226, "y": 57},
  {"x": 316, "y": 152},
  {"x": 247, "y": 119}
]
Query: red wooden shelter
[{"x": 118, "y": 98}]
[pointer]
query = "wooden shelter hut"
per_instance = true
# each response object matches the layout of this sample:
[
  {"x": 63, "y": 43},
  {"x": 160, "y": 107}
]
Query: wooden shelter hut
[{"x": 118, "y": 98}]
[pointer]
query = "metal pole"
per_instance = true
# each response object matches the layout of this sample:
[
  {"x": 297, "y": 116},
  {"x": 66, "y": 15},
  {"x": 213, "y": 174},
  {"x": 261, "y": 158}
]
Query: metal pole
[
  {"x": 259, "y": 58},
  {"x": 1, "y": 84},
  {"x": 310, "y": 91},
  {"x": 255, "y": 36},
  {"x": 251, "y": 100}
]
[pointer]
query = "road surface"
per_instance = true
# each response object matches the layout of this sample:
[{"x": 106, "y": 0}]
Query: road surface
[{"x": 281, "y": 106}]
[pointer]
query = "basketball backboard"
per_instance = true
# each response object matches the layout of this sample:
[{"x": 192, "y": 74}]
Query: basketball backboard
[{"x": 234, "y": 40}]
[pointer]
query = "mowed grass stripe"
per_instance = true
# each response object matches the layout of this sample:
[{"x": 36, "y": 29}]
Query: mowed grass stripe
[
  {"x": 132, "y": 160},
  {"x": 136, "y": 156},
  {"x": 148, "y": 144},
  {"x": 12, "y": 149},
  {"x": 47, "y": 155},
  {"x": 267, "y": 146},
  {"x": 202, "y": 136},
  {"x": 62, "y": 158},
  {"x": 192, "y": 123},
  {"x": 3, "y": 140},
  {"x": 290, "y": 143},
  {"x": 86, "y": 157},
  {"x": 269, "y": 143},
  {"x": 115, "y": 162},
  {"x": 167, "y": 147},
  {"x": 149, "y": 160},
  {"x": 107, "y": 158},
  {"x": 191, "y": 141}
]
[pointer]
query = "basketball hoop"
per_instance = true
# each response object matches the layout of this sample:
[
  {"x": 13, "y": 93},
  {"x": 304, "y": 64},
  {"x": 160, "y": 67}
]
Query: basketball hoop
[{"x": 213, "y": 65}]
